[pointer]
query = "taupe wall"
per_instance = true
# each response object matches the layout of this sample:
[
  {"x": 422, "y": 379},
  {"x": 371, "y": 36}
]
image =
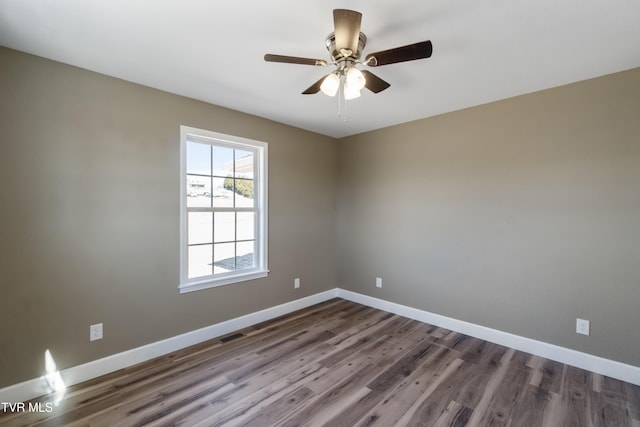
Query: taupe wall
[
  {"x": 89, "y": 220},
  {"x": 519, "y": 215}
]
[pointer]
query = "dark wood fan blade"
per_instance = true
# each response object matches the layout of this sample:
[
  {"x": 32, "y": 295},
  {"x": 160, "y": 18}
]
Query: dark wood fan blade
[
  {"x": 347, "y": 29},
  {"x": 314, "y": 88},
  {"x": 294, "y": 60},
  {"x": 400, "y": 54},
  {"x": 374, "y": 83}
]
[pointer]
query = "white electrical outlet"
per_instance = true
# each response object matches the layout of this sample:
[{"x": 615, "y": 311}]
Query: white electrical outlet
[
  {"x": 296, "y": 282},
  {"x": 378, "y": 282},
  {"x": 583, "y": 326},
  {"x": 95, "y": 332}
]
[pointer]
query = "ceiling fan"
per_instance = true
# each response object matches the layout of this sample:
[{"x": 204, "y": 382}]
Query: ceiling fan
[{"x": 345, "y": 46}]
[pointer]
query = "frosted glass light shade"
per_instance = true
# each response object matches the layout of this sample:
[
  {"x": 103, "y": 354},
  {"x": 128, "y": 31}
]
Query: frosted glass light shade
[
  {"x": 350, "y": 92},
  {"x": 330, "y": 85},
  {"x": 355, "y": 78}
]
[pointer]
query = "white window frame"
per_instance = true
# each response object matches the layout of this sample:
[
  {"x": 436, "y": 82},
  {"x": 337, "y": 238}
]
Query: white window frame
[{"x": 260, "y": 202}]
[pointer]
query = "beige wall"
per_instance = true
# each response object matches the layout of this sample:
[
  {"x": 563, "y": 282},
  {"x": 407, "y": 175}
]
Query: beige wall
[
  {"x": 89, "y": 220},
  {"x": 519, "y": 215}
]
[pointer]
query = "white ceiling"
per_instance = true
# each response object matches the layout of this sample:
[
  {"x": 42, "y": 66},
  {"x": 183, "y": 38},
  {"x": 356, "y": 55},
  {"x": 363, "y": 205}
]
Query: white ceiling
[{"x": 484, "y": 50}]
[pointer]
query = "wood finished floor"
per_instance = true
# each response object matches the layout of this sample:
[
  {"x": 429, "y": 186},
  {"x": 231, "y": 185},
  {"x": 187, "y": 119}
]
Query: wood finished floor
[{"x": 343, "y": 364}]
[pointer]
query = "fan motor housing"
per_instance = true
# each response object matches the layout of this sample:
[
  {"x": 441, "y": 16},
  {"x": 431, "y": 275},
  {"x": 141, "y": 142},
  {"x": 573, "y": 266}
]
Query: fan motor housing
[{"x": 337, "y": 55}]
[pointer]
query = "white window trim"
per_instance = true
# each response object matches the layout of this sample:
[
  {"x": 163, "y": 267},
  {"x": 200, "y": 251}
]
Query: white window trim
[{"x": 260, "y": 197}]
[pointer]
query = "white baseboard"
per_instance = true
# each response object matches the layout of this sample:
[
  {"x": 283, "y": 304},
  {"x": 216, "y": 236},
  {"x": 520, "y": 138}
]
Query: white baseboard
[
  {"x": 600, "y": 365},
  {"x": 37, "y": 387}
]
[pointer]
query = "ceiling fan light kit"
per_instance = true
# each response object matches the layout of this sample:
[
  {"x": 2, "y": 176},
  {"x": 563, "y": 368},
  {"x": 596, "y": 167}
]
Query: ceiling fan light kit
[{"x": 345, "y": 46}]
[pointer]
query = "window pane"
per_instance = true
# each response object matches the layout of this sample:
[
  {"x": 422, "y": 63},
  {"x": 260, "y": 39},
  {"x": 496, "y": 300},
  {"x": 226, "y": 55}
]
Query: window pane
[
  {"x": 245, "y": 255},
  {"x": 222, "y": 161},
  {"x": 244, "y": 164},
  {"x": 222, "y": 192},
  {"x": 198, "y": 191},
  {"x": 224, "y": 258},
  {"x": 224, "y": 227},
  {"x": 244, "y": 193},
  {"x": 199, "y": 261},
  {"x": 198, "y": 158},
  {"x": 200, "y": 227},
  {"x": 245, "y": 225}
]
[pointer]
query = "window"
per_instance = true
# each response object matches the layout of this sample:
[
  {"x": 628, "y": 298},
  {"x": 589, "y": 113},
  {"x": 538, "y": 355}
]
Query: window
[{"x": 223, "y": 209}]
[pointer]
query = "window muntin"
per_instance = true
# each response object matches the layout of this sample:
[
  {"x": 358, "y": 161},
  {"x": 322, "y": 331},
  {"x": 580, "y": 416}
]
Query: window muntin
[{"x": 223, "y": 209}]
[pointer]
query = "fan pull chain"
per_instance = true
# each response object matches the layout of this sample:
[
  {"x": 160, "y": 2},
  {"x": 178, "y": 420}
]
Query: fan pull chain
[
  {"x": 342, "y": 103},
  {"x": 339, "y": 101}
]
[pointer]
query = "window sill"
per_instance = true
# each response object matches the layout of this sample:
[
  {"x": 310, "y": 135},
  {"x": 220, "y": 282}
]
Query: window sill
[{"x": 222, "y": 281}]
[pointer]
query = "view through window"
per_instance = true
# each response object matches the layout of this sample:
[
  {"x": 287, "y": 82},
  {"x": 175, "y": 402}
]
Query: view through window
[{"x": 224, "y": 209}]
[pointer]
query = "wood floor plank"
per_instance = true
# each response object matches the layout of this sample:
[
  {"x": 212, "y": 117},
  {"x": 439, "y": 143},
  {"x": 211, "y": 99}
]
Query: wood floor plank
[
  {"x": 394, "y": 403},
  {"x": 336, "y": 399},
  {"x": 546, "y": 374},
  {"x": 342, "y": 364},
  {"x": 532, "y": 407},
  {"x": 480, "y": 395},
  {"x": 144, "y": 409},
  {"x": 402, "y": 368},
  {"x": 362, "y": 343},
  {"x": 274, "y": 414},
  {"x": 504, "y": 402},
  {"x": 249, "y": 404},
  {"x": 284, "y": 349},
  {"x": 422, "y": 411},
  {"x": 455, "y": 415},
  {"x": 575, "y": 391},
  {"x": 345, "y": 368}
]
